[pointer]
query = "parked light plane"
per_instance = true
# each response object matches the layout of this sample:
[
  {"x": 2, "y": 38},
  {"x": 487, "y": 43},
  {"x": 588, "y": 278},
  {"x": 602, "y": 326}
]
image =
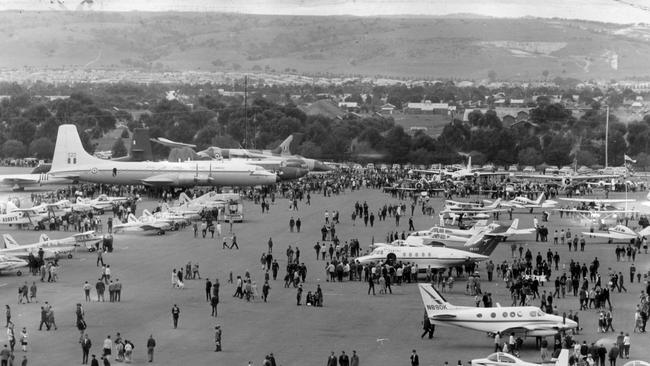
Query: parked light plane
[
  {"x": 73, "y": 162},
  {"x": 10, "y": 263},
  {"x": 102, "y": 202},
  {"x": 525, "y": 202},
  {"x": 472, "y": 209},
  {"x": 51, "y": 248},
  {"x": 147, "y": 223},
  {"x": 465, "y": 172},
  {"x": 21, "y": 216},
  {"x": 620, "y": 232},
  {"x": 507, "y": 359},
  {"x": 437, "y": 256},
  {"x": 522, "y": 320},
  {"x": 448, "y": 235}
]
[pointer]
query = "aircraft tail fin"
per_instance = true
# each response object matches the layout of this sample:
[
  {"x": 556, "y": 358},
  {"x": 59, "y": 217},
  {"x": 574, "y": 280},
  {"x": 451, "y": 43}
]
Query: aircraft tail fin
[
  {"x": 469, "y": 163},
  {"x": 514, "y": 226},
  {"x": 141, "y": 146},
  {"x": 43, "y": 238},
  {"x": 132, "y": 218},
  {"x": 563, "y": 358},
  {"x": 9, "y": 241},
  {"x": 434, "y": 303},
  {"x": 183, "y": 199},
  {"x": 495, "y": 204},
  {"x": 146, "y": 213},
  {"x": 285, "y": 147},
  {"x": 11, "y": 206},
  {"x": 69, "y": 151},
  {"x": 482, "y": 244},
  {"x": 540, "y": 199}
]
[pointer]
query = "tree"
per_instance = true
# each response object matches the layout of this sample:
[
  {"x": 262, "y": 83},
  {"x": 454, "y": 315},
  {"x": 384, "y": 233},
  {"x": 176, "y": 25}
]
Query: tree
[
  {"x": 13, "y": 149},
  {"x": 42, "y": 148},
  {"x": 23, "y": 130},
  {"x": 529, "y": 156},
  {"x": 119, "y": 149}
]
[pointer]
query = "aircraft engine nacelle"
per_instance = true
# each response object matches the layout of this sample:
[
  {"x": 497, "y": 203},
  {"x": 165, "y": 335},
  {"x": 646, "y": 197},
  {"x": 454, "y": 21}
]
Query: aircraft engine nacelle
[
  {"x": 295, "y": 163},
  {"x": 567, "y": 181},
  {"x": 192, "y": 180},
  {"x": 289, "y": 173},
  {"x": 476, "y": 174}
]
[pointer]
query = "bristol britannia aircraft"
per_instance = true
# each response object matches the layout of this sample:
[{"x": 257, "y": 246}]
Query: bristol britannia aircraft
[
  {"x": 526, "y": 321},
  {"x": 71, "y": 161}
]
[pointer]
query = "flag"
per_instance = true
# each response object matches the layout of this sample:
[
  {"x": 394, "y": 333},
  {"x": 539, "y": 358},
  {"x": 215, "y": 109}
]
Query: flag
[{"x": 627, "y": 158}]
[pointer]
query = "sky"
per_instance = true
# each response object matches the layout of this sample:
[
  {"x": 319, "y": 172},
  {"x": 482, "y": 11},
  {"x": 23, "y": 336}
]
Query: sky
[{"x": 611, "y": 11}]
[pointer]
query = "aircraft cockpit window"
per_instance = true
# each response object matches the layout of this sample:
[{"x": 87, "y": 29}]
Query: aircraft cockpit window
[
  {"x": 493, "y": 357},
  {"x": 507, "y": 359},
  {"x": 493, "y": 315},
  {"x": 479, "y": 315},
  {"x": 539, "y": 313}
]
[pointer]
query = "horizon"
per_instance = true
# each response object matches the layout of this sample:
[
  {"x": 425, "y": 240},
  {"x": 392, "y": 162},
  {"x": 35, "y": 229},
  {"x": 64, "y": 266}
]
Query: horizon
[{"x": 606, "y": 11}]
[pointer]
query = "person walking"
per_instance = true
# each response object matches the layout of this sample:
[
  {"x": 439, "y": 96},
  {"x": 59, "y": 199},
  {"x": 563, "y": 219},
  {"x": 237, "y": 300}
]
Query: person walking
[
  {"x": 208, "y": 290},
  {"x": 151, "y": 345},
  {"x": 415, "y": 359},
  {"x": 176, "y": 312},
  {"x": 613, "y": 354},
  {"x": 217, "y": 338},
  {"x": 85, "y": 348}
]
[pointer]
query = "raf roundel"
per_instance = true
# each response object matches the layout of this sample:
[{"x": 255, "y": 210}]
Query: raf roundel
[{"x": 93, "y": 170}]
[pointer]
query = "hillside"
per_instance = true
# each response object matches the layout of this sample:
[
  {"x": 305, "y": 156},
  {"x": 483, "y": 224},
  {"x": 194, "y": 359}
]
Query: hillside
[{"x": 411, "y": 47}]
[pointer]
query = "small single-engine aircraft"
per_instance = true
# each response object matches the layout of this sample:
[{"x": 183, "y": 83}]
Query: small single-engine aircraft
[
  {"x": 145, "y": 223},
  {"x": 507, "y": 359},
  {"x": 10, "y": 263},
  {"x": 51, "y": 248}
]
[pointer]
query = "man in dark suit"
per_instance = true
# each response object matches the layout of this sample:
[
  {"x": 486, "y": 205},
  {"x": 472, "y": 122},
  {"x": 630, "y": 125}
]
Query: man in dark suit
[
  {"x": 85, "y": 347},
  {"x": 331, "y": 360},
  {"x": 344, "y": 360},
  {"x": 415, "y": 360}
]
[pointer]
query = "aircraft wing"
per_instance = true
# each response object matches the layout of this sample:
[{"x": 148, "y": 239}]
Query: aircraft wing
[
  {"x": 15, "y": 179},
  {"x": 474, "y": 211},
  {"x": 616, "y": 236},
  {"x": 598, "y": 201},
  {"x": 155, "y": 226}
]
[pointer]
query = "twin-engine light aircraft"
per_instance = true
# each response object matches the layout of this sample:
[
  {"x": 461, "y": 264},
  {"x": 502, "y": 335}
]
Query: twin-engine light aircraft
[
  {"x": 524, "y": 202},
  {"x": 435, "y": 255},
  {"x": 620, "y": 232},
  {"x": 526, "y": 321},
  {"x": 21, "y": 216},
  {"x": 73, "y": 162}
]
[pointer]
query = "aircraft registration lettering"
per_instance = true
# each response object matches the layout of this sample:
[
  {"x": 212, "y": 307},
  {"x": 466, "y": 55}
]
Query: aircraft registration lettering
[{"x": 436, "y": 307}]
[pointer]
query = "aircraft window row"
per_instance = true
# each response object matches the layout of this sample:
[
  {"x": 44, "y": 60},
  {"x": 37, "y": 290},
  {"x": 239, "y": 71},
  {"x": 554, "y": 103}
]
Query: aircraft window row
[{"x": 505, "y": 314}]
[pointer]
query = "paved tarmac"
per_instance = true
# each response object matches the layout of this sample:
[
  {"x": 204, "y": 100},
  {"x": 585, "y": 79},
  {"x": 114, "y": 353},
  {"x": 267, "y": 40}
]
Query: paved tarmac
[{"x": 383, "y": 329}]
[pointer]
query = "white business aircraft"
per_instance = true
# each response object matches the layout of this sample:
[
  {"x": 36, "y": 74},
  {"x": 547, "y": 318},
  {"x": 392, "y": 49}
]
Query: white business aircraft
[
  {"x": 21, "y": 216},
  {"x": 10, "y": 263},
  {"x": 620, "y": 232},
  {"x": 179, "y": 212},
  {"x": 507, "y": 359},
  {"x": 73, "y": 162},
  {"x": 18, "y": 182},
  {"x": 145, "y": 223},
  {"x": 465, "y": 172},
  {"x": 51, "y": 248},
  {"x": 522, "y": 320},
  {"x": 436, "y": 256}
]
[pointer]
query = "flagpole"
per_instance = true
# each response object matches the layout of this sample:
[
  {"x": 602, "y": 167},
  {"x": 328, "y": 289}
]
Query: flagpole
[{"x": 606, "y": 135}]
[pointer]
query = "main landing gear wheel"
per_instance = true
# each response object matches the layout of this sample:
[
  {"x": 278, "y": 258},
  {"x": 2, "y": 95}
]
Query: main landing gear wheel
[{"x": 19, "y": 273}]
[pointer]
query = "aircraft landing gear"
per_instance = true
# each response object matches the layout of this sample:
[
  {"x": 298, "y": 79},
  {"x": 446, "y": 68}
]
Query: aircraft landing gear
[{"x": 19, "y": 273}]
